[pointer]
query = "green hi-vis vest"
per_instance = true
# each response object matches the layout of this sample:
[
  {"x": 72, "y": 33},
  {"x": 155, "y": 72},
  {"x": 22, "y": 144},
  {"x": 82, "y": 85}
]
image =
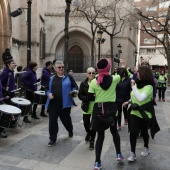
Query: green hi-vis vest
[{"x": 162, "y": 81}]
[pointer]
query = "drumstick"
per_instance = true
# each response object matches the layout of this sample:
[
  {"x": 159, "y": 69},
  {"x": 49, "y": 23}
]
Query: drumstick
[
  {"x": 16, "y": 90},
  {"x": 37, "y": 83},
  {"x": 4, "y": 98}
]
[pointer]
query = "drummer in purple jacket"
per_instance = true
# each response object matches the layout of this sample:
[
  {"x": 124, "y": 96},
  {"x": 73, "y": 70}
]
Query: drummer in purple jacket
[
  {"x": 7, "y": 79},
  {"x": 7, "y": 85},
  {"x": 29, "y": 80},
  {"x": 46, "y": 74}
]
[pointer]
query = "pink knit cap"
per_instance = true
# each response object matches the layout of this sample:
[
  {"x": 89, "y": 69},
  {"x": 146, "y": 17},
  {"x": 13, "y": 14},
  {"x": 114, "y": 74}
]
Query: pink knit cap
[{"x": 102, "y": 71}]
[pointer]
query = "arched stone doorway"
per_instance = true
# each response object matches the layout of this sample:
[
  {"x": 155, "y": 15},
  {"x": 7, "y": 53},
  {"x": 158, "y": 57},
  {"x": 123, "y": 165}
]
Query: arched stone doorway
[
  {"x": 5, "y": 27},
  {"x": 75, "y": 59}
]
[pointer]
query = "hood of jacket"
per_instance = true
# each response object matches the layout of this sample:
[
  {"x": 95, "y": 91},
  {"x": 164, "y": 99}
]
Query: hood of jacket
[{"x": 107, "y": 81}]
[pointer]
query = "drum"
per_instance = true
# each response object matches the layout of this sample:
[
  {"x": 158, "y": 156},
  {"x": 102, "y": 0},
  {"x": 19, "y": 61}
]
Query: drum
[
  {"x": 9, "y": 116},
  {"x": 23, "y": 104},
  {"x": 40, "y": 97}
]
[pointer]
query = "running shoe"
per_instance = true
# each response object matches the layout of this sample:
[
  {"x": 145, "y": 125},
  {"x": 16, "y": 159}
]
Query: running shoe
[
  {"x": 120, "y": 157},
  {"x": 145, "y": 152},
  {"x": 91, "y": 145},
  {"x": 51, "y": 143},
  {"x": 132, "y": 157},
  {"x": 97, "y": 166}
]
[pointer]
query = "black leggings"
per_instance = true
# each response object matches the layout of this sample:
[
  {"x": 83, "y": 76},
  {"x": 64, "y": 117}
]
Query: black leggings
[
  {"x": 86, "y": 120},
  {"x": 135, "y": 124},
  {"x": 100, "y": 140},
  {"x": 161, "y": 92},
  {"x": 30, "y": 97},
  {"x": 119, "y": 107}
]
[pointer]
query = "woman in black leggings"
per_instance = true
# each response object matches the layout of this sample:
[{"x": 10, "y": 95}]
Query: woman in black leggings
[{"x": 102, "y": 90}]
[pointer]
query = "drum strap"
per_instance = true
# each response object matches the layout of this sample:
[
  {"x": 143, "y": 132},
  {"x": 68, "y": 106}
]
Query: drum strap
[{"x": 9, "y": 77}]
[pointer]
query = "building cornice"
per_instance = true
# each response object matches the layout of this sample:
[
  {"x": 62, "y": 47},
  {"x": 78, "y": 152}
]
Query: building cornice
[{"x": 19, "y": 42}]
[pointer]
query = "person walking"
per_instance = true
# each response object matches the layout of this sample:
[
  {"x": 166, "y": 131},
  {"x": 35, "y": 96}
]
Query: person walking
[
  {"x": 46, "y": 74},
  {"x": 102, "y": 91},
  {"x": 141, "y": 111},
  {"x": 123, "y": 90},
  {"x": 8, "y": 85},
  {"x": 60, "y": 90},
  {"x": 2, "y": 98},
  {"x": 87, "y": 106},
  {"x": 162, "y": 79},
  {"x": 29, "y": 80}
]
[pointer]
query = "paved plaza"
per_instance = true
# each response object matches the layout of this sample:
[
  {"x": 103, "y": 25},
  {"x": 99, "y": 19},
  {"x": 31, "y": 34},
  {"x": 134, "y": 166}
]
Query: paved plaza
[{"x": 26, "y": 147}]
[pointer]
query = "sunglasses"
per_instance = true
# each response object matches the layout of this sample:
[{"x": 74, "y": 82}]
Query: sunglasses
[
  {"x": 91, "y": 73},
  {"x": 60, "y": 67}
]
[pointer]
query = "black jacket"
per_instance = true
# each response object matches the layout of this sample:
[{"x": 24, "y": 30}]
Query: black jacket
[
  {"x": 82, "y": 95},
  {"x": 123, "y": 90},
  {"x": 154, "y": 127}
]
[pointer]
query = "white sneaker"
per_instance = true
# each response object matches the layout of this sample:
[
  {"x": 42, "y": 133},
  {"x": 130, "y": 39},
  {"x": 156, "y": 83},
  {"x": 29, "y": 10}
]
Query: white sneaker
[
  {"x": 132, "y": 157},
  {"x": 145, "y": 152}
]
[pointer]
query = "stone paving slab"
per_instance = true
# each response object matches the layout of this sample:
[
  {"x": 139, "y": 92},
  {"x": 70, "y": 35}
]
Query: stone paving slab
[
  {"x": 35, "y": 147},
  {"x": 26, "y": 147}
]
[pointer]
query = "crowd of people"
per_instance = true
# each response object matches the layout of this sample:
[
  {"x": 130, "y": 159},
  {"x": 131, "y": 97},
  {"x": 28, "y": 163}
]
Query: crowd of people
[{"x": 104, "y": 96}]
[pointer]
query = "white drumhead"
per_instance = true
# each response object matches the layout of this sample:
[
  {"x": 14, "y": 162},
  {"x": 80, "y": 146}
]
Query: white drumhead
[
  {"x": 9, "y": 109},
  {"x": 20, "y": 101},
  {"x": 40, "y": 93}
]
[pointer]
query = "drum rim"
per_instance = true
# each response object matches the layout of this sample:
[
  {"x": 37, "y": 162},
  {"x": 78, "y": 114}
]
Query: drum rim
[
  {"x": 39, "y": 92},
  {"x": 1, "y": 111},
  {"x": 20, "y": 103}
]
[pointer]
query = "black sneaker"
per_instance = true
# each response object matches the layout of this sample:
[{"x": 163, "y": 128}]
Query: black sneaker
[
  {"x": 70, "y": 134},
  {"x": 87, "y": 138},
  {"x": 51, "y": 143},
  {"x": 91, "y": 145}
]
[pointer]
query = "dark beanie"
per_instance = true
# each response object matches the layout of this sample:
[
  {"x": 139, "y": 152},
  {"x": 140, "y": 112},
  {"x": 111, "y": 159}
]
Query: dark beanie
[
  {"x": 102, "y": 64},
  {"x": 8, "y": 61}
]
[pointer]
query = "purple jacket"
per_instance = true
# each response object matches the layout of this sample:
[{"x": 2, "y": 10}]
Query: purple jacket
[
  {"x": 0, "y": 90},
  {"x": 7, "y": 79},
  {"x": 46, "y": 74},
  {"x": 29, "y": 79}
]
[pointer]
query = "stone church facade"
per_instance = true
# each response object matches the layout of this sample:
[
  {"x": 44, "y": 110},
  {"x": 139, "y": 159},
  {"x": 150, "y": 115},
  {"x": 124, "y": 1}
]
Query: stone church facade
[{"x": 47, "y": 35}]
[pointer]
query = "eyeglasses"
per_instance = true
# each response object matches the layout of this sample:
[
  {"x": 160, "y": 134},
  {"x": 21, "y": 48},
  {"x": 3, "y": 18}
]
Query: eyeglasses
[
  {"x": 60, "y": 67},
  {"x": 91, "y": 73}
]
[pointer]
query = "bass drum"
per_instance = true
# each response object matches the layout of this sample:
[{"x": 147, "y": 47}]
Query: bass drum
[
  {"x": 9, "y": 116},
  {"x": 23, "y": 104}
]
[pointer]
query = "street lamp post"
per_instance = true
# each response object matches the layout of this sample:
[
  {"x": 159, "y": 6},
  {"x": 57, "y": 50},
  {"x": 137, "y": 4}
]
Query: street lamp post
[
  {"x": 29, "y": 33},
  {"x": 119, "y": 52},
  {"x": 67, "y": 13},
  {"x": 135, "y": 56},
  {"x": 19, "y": 12},
  {"x": 99, "y": 40},
  {"x": 141, "y": 59}
]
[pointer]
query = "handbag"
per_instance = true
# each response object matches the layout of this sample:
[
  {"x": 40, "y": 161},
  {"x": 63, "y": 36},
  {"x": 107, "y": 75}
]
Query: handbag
[{"x": 106, "y": 112}]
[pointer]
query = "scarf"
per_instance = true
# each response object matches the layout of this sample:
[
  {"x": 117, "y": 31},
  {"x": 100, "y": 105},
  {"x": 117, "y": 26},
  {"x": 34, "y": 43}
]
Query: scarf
[{"x": 140, "y": 84}]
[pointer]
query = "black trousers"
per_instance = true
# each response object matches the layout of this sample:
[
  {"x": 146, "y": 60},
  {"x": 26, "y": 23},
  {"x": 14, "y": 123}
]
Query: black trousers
[
  {"x": 161, "y": 92},
  {"x": 43, "y": 106},
  {"x": 87, "y": 122},
  {"x": 100, "y": 140},
  {"x": 30, "y": 97},
  {"x": 55, "y": 110},
  {"x": 135, "y": 124},
  {"x": 119, "y": 108}
]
